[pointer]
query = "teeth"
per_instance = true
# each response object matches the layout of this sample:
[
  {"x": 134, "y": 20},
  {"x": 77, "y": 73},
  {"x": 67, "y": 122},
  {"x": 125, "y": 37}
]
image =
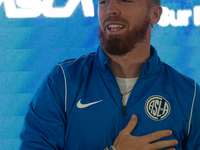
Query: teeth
[{"x": 115, "y": 26}]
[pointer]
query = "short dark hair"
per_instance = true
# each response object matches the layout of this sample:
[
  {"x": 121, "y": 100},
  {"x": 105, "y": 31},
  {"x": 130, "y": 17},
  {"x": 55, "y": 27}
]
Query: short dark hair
[
  {"x": 151, "y": 3},
  {"x": 156, "y": 2}
]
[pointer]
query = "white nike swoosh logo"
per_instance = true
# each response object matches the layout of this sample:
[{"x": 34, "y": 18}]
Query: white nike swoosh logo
[{"x": 79, "y": 105}]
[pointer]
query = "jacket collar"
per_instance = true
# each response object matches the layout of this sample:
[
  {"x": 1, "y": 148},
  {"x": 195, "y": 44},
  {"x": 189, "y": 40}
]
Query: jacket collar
[{"x": 149, "y": 68}]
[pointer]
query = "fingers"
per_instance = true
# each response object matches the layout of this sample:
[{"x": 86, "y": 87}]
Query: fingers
[
  {"x": 126, "y": 133},
  {"x": 164, "y": 144},
  {"x": 161, "y": 144},
  {"x": 158, "y": 135},
  {"x": 126, "y": 141},
  {"x": 131, "y": 125},
  {"x": 171, "y": 149}
]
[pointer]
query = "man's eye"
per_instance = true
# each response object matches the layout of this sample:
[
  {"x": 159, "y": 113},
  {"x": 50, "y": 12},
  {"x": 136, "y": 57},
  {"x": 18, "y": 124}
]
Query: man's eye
[
  {"x": 102, "y": 2},
  {"x": 126, "y": 1}
]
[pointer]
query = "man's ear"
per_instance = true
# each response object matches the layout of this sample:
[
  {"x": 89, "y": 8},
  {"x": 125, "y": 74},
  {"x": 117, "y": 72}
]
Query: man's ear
[{"x": 155, "y": 14}]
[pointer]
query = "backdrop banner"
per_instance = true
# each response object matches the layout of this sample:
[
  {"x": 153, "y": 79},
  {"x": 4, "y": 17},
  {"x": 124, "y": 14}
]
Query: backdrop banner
[{"x": 37, "y": 34}]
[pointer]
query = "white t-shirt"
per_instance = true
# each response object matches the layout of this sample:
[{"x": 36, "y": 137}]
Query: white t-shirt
[{"x": 125, "y": 85}]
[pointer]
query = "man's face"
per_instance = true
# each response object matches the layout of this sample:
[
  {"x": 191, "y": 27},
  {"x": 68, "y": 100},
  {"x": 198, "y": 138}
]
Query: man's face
[{"x": 123, "y": 24}]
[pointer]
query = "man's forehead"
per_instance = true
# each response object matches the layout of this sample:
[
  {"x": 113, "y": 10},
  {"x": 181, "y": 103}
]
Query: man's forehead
[{"x": 141, "y": 1}]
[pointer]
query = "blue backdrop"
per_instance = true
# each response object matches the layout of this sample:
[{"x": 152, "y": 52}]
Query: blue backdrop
[{"x": 36, "y": 34}]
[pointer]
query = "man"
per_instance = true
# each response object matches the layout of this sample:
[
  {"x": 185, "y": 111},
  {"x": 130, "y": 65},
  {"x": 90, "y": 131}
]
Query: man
[{"x": 123, "y": 96}]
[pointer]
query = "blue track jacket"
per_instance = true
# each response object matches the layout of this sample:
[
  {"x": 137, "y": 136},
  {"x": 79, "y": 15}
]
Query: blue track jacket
[{"x": 79, "y": 106}]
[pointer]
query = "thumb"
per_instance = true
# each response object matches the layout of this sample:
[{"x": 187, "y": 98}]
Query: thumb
[{"x": 131, "y": 125}]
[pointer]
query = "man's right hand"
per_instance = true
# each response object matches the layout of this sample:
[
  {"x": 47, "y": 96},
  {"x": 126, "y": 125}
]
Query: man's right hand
[{"x": 126, "y": 141}]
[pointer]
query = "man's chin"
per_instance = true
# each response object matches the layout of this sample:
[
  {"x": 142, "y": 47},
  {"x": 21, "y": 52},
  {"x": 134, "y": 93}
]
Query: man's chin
[
  {"x": 116, "y": 46},
  {"x": 119, "y": 44},
  {"x": 115, "y": 35}
]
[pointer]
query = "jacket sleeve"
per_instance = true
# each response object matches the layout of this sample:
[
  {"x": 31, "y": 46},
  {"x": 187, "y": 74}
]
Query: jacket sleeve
[
  {"x": 45, "y": 122},
  {"x": 193, "y": 140}
]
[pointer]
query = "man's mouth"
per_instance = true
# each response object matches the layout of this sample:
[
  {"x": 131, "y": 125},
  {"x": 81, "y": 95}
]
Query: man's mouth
[{"x": 115, "y": 27}]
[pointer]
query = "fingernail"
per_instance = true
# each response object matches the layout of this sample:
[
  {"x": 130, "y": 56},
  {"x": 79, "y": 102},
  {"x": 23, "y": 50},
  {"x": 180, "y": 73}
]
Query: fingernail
[
  {"x": 170, "y": 132},
  {"x": 133, "y": 118},
  {"x": 176, "y": 142}
]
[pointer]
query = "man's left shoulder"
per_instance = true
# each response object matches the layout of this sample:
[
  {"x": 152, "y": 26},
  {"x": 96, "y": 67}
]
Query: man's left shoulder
[{"x": 176, "y": 75}]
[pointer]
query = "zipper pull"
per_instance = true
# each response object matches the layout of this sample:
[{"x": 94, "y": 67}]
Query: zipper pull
[{"x": 124, "y": 113}]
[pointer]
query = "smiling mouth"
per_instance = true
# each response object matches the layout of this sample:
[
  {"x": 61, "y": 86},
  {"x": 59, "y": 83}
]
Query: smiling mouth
[{"x": 115, "y": 27}]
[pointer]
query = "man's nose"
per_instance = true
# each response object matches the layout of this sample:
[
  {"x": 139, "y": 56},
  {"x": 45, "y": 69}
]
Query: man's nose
[{"x": 113, "y": 8}]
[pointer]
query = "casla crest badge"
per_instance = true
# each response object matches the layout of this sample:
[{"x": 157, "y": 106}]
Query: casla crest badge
[{"x": 157, "y": 107}]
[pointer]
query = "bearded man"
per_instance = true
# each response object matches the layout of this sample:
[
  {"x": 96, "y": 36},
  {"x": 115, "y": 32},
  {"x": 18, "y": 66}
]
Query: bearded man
[{"x": 121, "y": 97}]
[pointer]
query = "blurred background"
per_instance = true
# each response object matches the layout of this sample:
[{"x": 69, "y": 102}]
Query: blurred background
[{"x": 37, "y": 34}]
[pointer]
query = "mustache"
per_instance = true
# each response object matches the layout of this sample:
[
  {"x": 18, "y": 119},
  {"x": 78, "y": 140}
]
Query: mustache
[{"x": 115, "y": 18}]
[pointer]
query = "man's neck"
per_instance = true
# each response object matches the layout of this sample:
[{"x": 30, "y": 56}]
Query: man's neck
[{"x": 130, "y": 64}]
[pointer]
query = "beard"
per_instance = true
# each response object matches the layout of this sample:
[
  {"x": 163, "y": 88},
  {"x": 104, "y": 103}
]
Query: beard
[{"x": 123, "y": 43}]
